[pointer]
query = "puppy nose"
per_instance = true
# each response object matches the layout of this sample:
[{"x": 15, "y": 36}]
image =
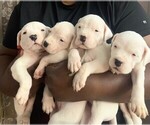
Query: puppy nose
[
  {"x": 45, "y": 44},
  {"x": 82, "y": 38},
  {"x": 118, "y": 62},
  {"x": 33, "y": 37}
]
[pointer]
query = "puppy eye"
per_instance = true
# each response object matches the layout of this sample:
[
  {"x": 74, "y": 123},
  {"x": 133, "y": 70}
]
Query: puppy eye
[
  {"x": 61, "y": 40},
  {"x": 79, "y": 27},
  {"x": 115, "y": 46},
  {"x": 96, "y": 31},
  {"x": 133, "y": 54},
  {"x": 42, "y": 30},
  {"x": 24, "y": 32}
]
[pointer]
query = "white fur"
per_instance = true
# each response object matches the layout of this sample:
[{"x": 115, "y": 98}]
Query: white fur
[
  {"x": 57, "y": 45},
  {"x": 58, "y": 42},
  {"x": 130, "y": 117},
  {"x": 72, "y": 112},
  {"x": 131, "y": 50},
  {"x": 30, "y": 39},
  {"x": 95, "y": 60}
]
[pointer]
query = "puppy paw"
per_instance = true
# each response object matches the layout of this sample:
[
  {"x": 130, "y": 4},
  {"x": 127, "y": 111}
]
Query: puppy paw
[
  {"x": 74, "y": 61},
  {"x": 38, "y": 73},
  {"x": 22, "y": 96},
  {"x": 74, "y": 65},
  {"x": 78, "y": 82},
  {"x": 139, "y": 108},
  {"x": 48, "y": 105}
]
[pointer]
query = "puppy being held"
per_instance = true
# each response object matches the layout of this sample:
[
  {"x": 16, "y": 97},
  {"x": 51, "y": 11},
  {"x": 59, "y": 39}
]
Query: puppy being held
[
  {"x": 91, "y": 35},
  {"x": 29, "y": 39},
  {"x": 100, "y": 53},
  {"x": 57, "y": 45},
  {"x": 130, "y": 54},
  {"x": 67, "y": 114}
]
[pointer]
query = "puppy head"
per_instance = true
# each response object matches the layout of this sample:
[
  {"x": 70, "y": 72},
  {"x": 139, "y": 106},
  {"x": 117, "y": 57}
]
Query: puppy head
[
  {"x": 127, "y": 51},
  {"x": 59, "y": 38},
  {"x": 30, "y": 37},
  {"x": 91, "y": 30}
]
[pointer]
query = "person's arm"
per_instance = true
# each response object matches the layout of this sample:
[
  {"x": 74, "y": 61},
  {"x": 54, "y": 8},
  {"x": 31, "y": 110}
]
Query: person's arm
[
  {"x": 6, "y": 57},
  {"x": 106, "y": 86}
]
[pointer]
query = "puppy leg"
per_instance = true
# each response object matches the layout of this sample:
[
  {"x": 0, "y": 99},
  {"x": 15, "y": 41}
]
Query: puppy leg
[
  {"x": 74, "y": 60},
  {"x": 20, "y": 74},
  {"x": 126, "y": 113},
  {"x": 48, "y": 102},
  {"x": 24, "y": 111},
  {"x": 70, "y": 113},
  {"x": 86, "y": 69},
  {"x": 86, "y": 115},
  {"x": 100, "y": 112},
  {"x": 19, "y": 111},
  {"x": 136, "y": 120},
  {"x": 130, "y": 116},
  {"x": 113, "y": 121},
  {"x": 49, "y": 59},
  {"x": 137, "y": 104}
]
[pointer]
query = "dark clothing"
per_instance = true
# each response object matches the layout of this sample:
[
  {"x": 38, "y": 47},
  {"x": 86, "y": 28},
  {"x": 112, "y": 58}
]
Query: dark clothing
[{"x": 119, "y": 16}]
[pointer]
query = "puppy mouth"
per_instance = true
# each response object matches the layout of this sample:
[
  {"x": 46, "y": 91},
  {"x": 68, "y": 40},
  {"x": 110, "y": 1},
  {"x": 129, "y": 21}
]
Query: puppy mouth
[
  {"x": 37, "y": 45},
  {"x": 115, "y": 70},
  {"x": 83, "y": 46}
]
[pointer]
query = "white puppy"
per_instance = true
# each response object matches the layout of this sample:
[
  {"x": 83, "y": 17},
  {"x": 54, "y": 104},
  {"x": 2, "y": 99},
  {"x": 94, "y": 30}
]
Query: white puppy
[
  {"x": 29, "y": 38},
  {"x": 72, "y": 112},
  {"x": 91, "y": 35},
  {"x": 57, "y": 45},
  {"x": 130, "y": 54}
]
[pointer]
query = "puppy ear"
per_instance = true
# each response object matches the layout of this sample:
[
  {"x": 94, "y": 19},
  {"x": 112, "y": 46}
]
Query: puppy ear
[
  {"x": 48, "y": 30},
  {"x": 18, "y": 40},
  {"x": 114, "y": 37},
  {"x": 146, "y": 56},
  {"x": 107, "y": 33},
  {"x": 72, "y": 44}
]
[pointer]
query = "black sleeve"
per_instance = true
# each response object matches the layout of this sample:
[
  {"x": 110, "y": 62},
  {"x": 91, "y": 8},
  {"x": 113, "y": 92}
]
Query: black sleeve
[
  {"x": 10, "y": 38},
  {"x": 130, "y": 16}
]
